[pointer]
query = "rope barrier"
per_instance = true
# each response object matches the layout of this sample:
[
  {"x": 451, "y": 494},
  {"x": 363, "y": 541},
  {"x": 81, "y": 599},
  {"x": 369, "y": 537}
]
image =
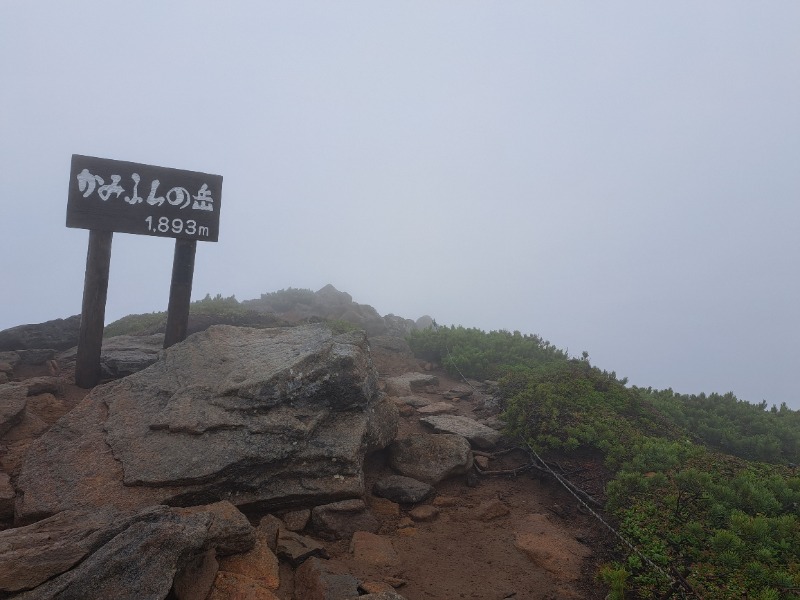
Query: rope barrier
[
  {"x": 568, "y": 486},
  {"x": 681, "y": 586}
]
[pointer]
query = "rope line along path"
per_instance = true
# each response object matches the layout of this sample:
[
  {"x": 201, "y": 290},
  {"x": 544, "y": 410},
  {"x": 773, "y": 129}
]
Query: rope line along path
[
  {"x": 674, "y": 584},
  {"x": 679, "y": 585}
]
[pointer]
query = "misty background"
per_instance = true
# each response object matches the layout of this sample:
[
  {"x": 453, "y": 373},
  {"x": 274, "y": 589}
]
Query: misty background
[{"x": 620, "y": 178}]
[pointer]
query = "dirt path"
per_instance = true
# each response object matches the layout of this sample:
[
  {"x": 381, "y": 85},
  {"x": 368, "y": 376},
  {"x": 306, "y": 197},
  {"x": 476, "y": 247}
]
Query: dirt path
[{"x": 498, "y": 537}]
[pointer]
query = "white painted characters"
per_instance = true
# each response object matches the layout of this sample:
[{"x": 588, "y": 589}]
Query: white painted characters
[
  {"x": 176, "y": 196},
  {"x": 167, "y": 225}
]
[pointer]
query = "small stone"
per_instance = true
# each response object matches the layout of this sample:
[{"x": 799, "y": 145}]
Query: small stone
[
  {"x": 425, "y": 513},
  {"x": 482, "y": 462},
  {"x": 43, "y": 385},
  {"x": 296, "y": 520},
  {"x": 405, "y": 410},
  {"x": 405, "y": 522},
  {"x": 342, "y": 519},
  {"x": 492, "y": 509},
  {"x": 297, "y": 548},
  {"x": 404, "y": 490}
]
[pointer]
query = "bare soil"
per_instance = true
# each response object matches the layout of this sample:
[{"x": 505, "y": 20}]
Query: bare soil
[{"x": 463, "y": 554}]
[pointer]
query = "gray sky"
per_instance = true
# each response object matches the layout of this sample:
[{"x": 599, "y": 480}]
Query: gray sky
[{"x": 618, "y": 177}]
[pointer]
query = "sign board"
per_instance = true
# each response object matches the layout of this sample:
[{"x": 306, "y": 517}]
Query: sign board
[{"x": 113, "y": 195}]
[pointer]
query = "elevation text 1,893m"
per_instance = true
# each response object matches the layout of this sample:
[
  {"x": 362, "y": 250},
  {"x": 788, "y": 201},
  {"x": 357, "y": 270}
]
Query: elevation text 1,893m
[{"x": 165, "y": 224}]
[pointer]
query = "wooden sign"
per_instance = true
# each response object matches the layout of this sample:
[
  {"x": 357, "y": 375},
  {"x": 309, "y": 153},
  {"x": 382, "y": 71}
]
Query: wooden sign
[{"x": 113, "y": 195}]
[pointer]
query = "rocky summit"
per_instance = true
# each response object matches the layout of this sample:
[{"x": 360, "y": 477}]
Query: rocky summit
[{"x": 277, "y": 463}]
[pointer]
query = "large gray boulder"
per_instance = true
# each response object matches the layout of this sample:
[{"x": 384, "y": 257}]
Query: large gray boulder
[
  {"x": 269, "y": 418},
  {"x": 112, "y": 554},
  {"x": 57, "y": 334}
]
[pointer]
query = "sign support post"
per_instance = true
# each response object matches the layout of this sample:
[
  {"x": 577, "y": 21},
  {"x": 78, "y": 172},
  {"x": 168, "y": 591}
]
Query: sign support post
[
  {"x": 93, "y": 311},
  {"x": 111, "y": 195},
  {"x": 180, "y": 292}
]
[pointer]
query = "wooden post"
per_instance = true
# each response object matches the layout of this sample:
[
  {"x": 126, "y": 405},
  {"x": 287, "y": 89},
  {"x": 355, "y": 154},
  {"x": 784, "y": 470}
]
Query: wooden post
[
  {"x": 93, "y": 311},
  {"x": 180, "y": 291}
]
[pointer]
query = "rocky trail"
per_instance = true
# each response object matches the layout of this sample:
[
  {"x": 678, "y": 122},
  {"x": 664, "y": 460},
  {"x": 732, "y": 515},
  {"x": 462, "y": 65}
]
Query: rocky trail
[{"x": 445, "y": 514}]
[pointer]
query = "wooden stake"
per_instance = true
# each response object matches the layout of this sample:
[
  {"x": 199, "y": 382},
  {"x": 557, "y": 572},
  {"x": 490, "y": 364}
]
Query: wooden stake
[
  {"x": 180, "y": 291},
  {"x": 93, "y": 311}
]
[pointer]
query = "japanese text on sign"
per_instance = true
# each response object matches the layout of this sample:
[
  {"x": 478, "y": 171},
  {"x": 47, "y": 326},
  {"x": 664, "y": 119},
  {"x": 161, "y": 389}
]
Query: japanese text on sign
[
  {"x": 87, "y": 182},
  {"x": 135, "y": 198}
]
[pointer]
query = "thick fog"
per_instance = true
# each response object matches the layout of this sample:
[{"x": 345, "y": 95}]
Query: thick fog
[{"x": 619, "y": 177}]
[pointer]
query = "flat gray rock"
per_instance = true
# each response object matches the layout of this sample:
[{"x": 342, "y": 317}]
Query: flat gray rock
[
  {"x": 408, "y": 383},
  {"x": 275, "y": 417},
  {"x": 478, "y": 435}
]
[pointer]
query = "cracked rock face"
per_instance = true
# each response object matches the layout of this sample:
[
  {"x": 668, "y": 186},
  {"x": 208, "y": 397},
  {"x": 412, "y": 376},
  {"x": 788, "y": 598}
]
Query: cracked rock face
[
  {"x": 273, "y": 417},
  {"x": 113, "y": 554}
]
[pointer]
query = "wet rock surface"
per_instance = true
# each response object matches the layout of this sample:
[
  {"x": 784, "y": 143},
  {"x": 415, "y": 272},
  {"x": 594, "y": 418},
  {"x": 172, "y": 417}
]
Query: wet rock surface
[
  {"x": 501, "y": 538},
  {"x": 254, "y": 416}
]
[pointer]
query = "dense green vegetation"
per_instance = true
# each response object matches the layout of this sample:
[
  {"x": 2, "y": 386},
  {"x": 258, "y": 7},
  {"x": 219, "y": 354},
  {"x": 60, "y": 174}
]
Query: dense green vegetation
[
  {"x": 730, "y": 425},
  {"x": 482, "y": 355},
  {"x": 701, "y": 485}
]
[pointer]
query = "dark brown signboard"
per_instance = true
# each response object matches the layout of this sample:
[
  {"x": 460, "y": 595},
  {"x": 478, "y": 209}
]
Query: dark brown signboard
[{"x": 113, "y": 195}]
